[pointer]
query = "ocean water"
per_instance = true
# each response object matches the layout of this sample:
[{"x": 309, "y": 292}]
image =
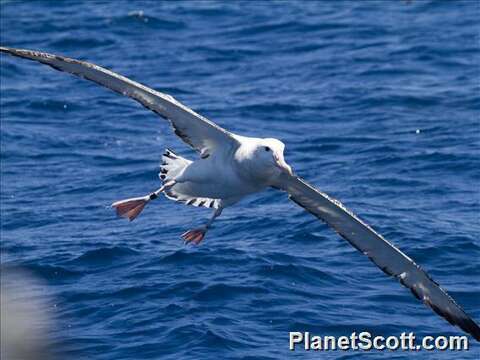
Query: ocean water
[{"x": 378, "y": 104}]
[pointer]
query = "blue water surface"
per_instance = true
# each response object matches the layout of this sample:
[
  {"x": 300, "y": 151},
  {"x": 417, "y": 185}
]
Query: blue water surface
[{"x": 378, "y": 103}]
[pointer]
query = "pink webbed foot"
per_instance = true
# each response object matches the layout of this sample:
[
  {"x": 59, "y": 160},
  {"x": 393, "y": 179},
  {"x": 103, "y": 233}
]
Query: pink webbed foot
[
  {"x": 130, "y": 208},
  {"x": 194, "y": 236}
]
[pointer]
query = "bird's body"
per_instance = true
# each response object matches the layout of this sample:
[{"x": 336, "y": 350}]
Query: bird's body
[
  {"x": 214, "y": 177},
  {"x": 218, "y": 176},
  {"x": 225, "y": 176},
  {"x": 232, "y": 166},
  {"x": 208, "y": 178}
]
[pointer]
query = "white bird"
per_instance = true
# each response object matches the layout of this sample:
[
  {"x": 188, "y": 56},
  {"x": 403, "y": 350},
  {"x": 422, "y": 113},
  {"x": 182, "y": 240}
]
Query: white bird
[{"x": 232, "y": 166}]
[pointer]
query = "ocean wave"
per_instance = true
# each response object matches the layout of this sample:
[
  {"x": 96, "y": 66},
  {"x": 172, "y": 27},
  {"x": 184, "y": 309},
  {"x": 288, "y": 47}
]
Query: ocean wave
[{"x": 103, "y": 256}]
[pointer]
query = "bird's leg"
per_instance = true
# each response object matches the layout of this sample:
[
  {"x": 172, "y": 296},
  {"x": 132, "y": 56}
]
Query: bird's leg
[
  {"x": 131, "y": 208},
  {"x": 195, "y": 236}
]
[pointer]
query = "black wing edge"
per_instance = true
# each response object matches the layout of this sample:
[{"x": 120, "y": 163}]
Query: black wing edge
[
  {"x": 43, "y": 57},
  {"x": 466, "y": 323}
]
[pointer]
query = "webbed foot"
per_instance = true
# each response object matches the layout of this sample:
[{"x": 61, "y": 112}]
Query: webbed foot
[{"x": 194, "y": 236}]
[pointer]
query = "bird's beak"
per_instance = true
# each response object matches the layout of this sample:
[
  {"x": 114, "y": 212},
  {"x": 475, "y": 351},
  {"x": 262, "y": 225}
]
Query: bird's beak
[{"x": 282, "y": 165}]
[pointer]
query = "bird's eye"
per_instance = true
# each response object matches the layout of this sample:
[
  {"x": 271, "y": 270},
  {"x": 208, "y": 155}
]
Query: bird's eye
[{"x": 267, "y": 148}]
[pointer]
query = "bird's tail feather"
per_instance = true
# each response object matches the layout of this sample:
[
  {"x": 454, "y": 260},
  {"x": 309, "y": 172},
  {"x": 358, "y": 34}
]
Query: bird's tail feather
[
  {"x": 172, "y": 164},
  {"x": 130, "y": 208}
]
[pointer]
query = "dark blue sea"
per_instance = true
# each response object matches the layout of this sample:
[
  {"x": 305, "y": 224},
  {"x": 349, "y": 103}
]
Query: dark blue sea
[{"x": 378, "y": 103}]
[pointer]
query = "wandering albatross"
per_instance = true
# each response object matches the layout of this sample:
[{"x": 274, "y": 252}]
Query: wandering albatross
[{"x": 232, "y": 166}]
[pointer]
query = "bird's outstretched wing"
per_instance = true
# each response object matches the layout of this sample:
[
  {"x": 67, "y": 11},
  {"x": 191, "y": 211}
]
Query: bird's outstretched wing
[
  {"x": 197, "y": 131},
  {"x": 382, "y": 253}
]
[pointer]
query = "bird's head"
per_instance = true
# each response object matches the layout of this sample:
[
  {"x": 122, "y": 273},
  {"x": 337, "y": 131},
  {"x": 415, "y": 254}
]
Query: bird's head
[{"x": 269, "y": 160}]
